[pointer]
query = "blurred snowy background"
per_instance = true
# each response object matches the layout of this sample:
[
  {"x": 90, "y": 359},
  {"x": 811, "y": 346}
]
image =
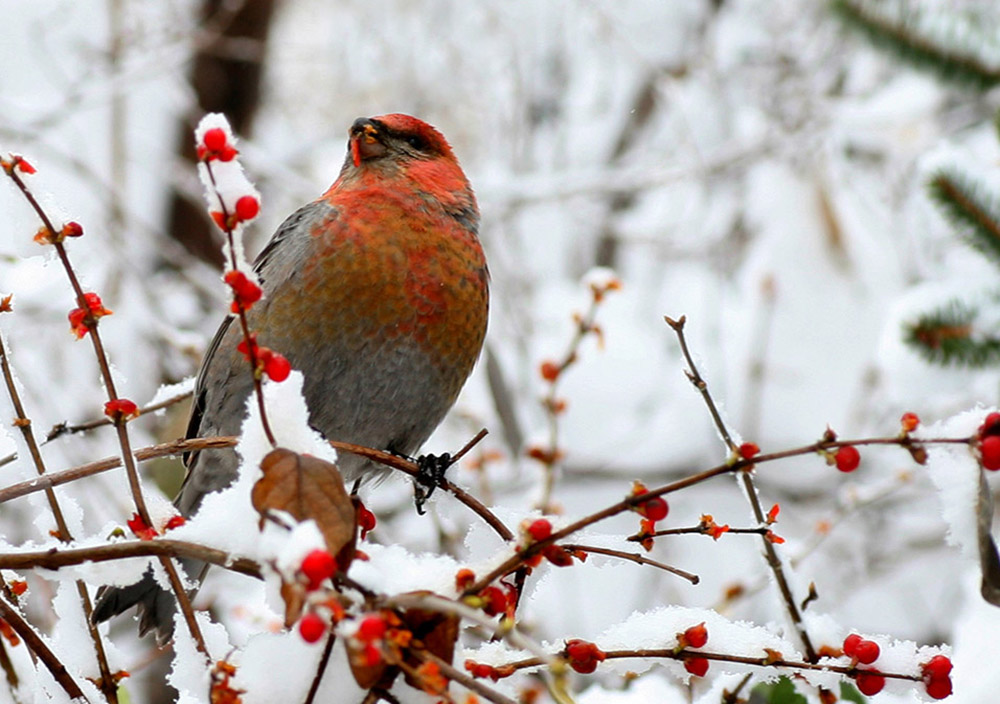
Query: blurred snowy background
[{"x": 746, "y": 163}]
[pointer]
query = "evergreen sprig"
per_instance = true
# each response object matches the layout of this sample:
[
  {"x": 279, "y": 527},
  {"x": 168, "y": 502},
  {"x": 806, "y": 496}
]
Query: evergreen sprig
[
  {"x": 948, "y": 335},
  {"x": 973, "y": 210},
  {"x": 901, "y": 36}
]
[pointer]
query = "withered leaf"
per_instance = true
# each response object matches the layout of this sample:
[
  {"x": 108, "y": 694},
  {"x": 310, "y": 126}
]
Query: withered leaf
[
  {"x": 437, "y": 632},
  {"x": 307, "y": 487}
]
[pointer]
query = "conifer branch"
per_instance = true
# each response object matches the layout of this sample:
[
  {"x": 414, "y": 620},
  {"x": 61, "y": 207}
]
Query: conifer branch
[{"x": 901, "y": 34}]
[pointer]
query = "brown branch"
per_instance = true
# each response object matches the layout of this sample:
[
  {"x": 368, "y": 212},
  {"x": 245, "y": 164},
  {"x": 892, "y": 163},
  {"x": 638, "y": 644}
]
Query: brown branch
[
  {"x": 65, "y": 476},
  {"x": 408, "y": 467},
  {"x": 65, "y": 428},
  {"x": 636, "y": 558},
  {"x": 321, "y": 669},
  {"x": 765, "y": 661},
  {"x": 54, "y": 558},
  {"x": 36, "y": 645},
  {"x": 107, "y": 684},
  {"x": 456, "y": 675}
]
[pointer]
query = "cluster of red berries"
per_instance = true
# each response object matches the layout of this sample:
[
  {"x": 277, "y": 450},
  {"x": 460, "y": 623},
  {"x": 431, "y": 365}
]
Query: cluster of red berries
[
  {"x": 16, "y": 162},
  {"x": 988, "y": 438},
  {"x": 144, "y": 531},
  {"x": 748, "y": 450},
  {"x": 247, "y": 208},
  {"x": 121, "y": 408},
  {"x": 246, "y": 292},
  {"x": 936, "y": 674},
  {"x": 316, "y": 568},
  {"x": 865, "y": 652},
  {"x": 583, "y": 656},
  {"x": 483, "y": 671},
  {"x": 694, "y": 637},
  {"x": 537, "y": 531},
  {"x": 274, "y": 365},
  {"x": 654, "y": 509},
  {"x": 70, "y": 229},
  {"x": 215, "y": 145},
  {"x": 81, "y": 320},
  {"x": 370, "y": 634}
]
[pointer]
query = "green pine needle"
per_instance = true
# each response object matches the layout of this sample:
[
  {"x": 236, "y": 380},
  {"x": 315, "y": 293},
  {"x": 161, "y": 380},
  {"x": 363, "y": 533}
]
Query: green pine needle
[
  {"x": 901, "y": 37},
  {"x": 948, "y": 336},
  {"x": 974, "y": 211}
]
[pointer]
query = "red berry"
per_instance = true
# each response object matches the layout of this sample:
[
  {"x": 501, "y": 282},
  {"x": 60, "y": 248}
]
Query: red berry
[
  {"x": 372, "y": 628},
  {"x": 748, "y": 450},
  {"x": 72, "y": 229},
  {"x": 696, "y": 636},
  {"x": 247, "y": 208},
  {"x": 215, "y": 139},
  {"x": 991, "y": 425},
  {"x": 851, "y": 644},
  {"x": 866, "y": 652},
  {"x": 23, "y": 166},
  {"x": 696, "y": 666},
  {"x": 937, "y": 667},
  {"x": 549, "y": 371},
  {"x": 989, "y": 450},
  {"x": 312, "y": 627},
  {"x": 540, "y": 529},
  {"x": 584, "y": 667},
  {"x": 909, "y": 422},
  {"x": 656, "y": 509},
  {"x": 366, "y": 520},
  {"x": 495, "y": 601},
  {"x": 577, "y": 649},
  {"x": 848, "y": 458},
  {"x": 277, "y": 367},
  {"x": 939, "y": 687},
  {"x": 317, "y": 566},
  {"x": 870, "y": 682}
]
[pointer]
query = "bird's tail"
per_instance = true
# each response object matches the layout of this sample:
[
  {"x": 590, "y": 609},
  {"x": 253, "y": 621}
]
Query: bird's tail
[{"x": 156, "y": 606}]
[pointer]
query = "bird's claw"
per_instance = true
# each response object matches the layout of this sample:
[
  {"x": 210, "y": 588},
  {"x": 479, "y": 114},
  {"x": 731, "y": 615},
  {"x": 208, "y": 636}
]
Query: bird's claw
[{"x": 429, "y": 476}]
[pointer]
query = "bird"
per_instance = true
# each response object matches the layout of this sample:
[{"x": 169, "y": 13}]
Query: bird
[{"x": 378, "y": 292}]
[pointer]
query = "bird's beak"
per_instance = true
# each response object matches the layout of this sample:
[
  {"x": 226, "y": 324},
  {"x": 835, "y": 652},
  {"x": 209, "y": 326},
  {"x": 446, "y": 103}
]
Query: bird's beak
[{"x": 365, "y": 142}]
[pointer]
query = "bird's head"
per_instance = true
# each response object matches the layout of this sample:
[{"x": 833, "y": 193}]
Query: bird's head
[
  {"x": 395, "y": 137},
  {"x": 402, "y": 152}
]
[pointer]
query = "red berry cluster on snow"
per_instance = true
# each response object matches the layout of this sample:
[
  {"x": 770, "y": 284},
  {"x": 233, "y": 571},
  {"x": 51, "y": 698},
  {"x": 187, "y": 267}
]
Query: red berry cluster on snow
[
  {"x": 864, "y": 651},
  {"x": 936, "y": 674},
  {"x": 215, "y": 145},
  {"x": 583, "y": 656},
  {"x": 694, "y": 637},
  {"x": 988, "y": 441},
  {"x": 246, "y": 292}
]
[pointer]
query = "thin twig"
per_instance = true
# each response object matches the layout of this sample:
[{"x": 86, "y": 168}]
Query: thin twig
[
  {"x": 636, "y": 558},
  {"x": 36, "y": 645},
  {"x": 51, "y": 479},
  {"x": 64, "y": 428},
  {"x": 324, "y": 660},
  {"x": 54, "y": 558},
  {"x": 750, "y": 489},
  {"x": 456, "y": 675}
]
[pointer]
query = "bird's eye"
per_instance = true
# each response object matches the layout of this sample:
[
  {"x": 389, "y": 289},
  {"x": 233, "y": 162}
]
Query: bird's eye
[{"x": 417, "y": 142}]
